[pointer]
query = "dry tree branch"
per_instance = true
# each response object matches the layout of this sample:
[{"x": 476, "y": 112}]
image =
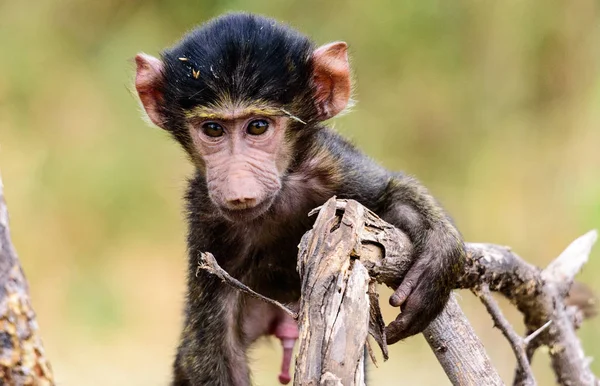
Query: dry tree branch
[
  {"x": 22, "y": 358},
  {"x": 458, "y": 349},
  {"x": 207, "y": 262},
  {"x": 350, "y": 247},
  {"x": 516, "y": 342},
  {"x": 540, "y": 295},
  {"x": 529, "y": 338}
]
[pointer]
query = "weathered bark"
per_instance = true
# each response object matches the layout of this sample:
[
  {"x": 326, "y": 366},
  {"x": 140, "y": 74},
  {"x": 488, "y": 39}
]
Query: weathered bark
[
  {"x": 386, "y": 252},
  {"x": 459, "y": 350},
  {"x": 540, "y": 295},
  {"x": 350, "y": 248},
  {"x": 517, "y": 343},
  {"x": 337, "y": 245},
  {"x": 22, "y": 358},
  {"x": 334, "y": 311}
]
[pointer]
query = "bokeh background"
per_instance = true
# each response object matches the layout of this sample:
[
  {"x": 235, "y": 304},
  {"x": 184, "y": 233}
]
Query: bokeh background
[{"x": 493, "y": 105}]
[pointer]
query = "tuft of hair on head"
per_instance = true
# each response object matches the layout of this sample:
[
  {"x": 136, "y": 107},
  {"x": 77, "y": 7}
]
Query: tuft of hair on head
[
  {"x": 241, "y": 60},
  {"x": 240, "y": 57}
]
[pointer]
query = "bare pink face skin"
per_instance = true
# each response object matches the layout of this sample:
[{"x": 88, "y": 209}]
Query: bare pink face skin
[
  {"x": 242, "y": 148},
  {"x": 243, "y": 170}
]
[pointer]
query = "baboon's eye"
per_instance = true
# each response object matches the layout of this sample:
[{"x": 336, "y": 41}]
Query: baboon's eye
[
  {"x": 212, "y": 129},
  {"x": 257, "y": 127}
]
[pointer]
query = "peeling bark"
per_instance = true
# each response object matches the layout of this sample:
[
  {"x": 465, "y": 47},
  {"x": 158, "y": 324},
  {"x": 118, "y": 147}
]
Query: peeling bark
[
  {"x": 350, "y": 249},
  {"x": 22, "y": 357}
]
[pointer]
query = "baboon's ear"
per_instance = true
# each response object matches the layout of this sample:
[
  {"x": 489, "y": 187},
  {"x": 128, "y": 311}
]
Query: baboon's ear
[
  {"x": 331, "y": 76},
  {"x": 149, "y": 85}
]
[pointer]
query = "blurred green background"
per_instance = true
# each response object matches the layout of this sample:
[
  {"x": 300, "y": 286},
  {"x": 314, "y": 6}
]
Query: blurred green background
[{"x": 494, "y": 105}]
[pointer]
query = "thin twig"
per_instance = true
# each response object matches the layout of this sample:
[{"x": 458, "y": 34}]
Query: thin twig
[
  {"x": 538, "y": 294},
  {"x": 515, "y": 341},
  {"x": 207, "y": 262},
  {"x": 534, "y": 334}
]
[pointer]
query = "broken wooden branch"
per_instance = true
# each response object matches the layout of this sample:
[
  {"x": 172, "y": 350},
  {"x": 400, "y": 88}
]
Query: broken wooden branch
[
  {"x": 517, "y": 343},
  {"x": 541, "y": 296},
  {"x": 347, "y": 231},
  {"x": 207, "y": 262},
  {"x": 458, "y": 349},
  {"x": 350, "y": 248},
  {"x": 22, "y": 358}
]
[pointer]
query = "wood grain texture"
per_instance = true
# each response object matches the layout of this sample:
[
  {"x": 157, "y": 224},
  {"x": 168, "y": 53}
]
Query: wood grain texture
[{"x": 22, "y": 357}]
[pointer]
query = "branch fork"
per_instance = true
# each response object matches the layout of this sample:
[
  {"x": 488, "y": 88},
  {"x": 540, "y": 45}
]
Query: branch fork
[{"x": 350, "y": 249}]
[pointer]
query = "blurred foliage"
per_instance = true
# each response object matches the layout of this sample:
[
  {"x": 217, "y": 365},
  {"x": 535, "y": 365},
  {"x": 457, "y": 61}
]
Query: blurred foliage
[{"x": 494, "y": 105}]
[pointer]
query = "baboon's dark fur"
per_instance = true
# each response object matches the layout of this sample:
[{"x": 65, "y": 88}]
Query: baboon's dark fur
[{"x": 244, "y": 58}]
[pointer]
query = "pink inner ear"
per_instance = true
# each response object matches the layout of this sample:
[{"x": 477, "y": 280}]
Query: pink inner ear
[
  {"x": 332, "y": 79},
  {"x": 148, "y": 80}
]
